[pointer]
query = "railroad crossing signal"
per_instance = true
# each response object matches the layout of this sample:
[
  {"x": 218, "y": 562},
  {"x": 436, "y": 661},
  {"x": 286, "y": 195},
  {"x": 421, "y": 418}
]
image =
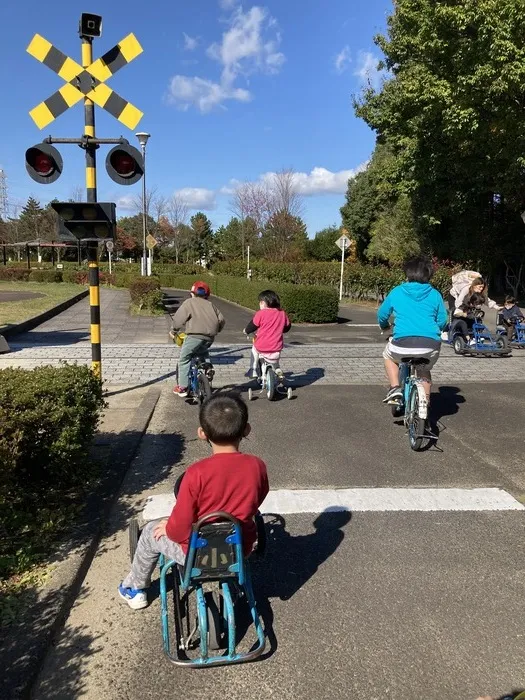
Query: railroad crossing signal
[
  {"x": 44, "y": 163},
  {"x": 125, "y": 164},
  {"x": 87, "y": 219},
  {"x": 86, "y": 82}
]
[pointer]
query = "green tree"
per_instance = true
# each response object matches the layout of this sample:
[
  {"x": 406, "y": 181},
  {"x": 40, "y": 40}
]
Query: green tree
[
  {"x": 393, "y": 237},
  {"x": 452, "y": 114},
  {"x": 322, "y": 246},
  {"x": 202, "y": 236},
  {"x": 231, "y": 240},
  {"x": 131, "y": 227},
  {"x": 285, "y": 238}
]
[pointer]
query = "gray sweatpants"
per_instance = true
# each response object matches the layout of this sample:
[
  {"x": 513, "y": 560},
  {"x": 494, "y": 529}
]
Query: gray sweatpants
[{"x": 147, "y": 555}]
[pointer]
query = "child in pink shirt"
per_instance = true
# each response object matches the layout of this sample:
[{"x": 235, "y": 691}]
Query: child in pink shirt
[{"x": 269, "y": 324}]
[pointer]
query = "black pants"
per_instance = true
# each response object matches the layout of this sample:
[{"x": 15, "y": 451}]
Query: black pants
[{"x": 463, "y": 326}]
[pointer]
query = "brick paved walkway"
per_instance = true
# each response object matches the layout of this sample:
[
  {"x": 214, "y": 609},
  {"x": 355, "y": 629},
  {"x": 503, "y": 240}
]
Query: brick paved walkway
[{"x": 307, "y": 364}]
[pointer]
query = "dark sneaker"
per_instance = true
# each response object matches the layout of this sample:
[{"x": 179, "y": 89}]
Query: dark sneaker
[
  {"x": 394, "y": 396},
  {"x": 181, "y": 391}
]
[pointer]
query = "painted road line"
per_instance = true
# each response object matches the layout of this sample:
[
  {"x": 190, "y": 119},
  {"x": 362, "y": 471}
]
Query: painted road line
[
  {"x": 389, "y": 499},
  {"x": 362, "y": 325},
  {"x": 287, "y": 501}
]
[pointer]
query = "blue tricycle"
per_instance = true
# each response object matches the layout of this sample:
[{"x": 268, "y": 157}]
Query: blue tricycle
[{"x": 518, "y": 339}]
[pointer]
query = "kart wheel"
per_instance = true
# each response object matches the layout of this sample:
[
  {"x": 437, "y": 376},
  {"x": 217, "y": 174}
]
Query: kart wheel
[
  {"x": 289, "y": 392},
  {"x": 215, "y": 620},
  {"x": 459, "y": 345},
  {"x": 250, "y": 394},
  {"x": 134, "y": 534},
  {"x": 502, "y": 343}
]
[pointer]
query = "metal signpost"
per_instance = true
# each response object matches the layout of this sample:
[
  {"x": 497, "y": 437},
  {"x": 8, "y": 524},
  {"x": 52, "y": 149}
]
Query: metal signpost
[
  {"x": 343, "y": 243},
  {"x": 109, "y": 247},
  {"x": 90, "y": 221}
]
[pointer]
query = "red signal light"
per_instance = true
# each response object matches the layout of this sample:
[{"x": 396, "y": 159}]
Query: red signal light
[
  {"x": 123, "y": 163},
  {"x": 43, "y": 164}
]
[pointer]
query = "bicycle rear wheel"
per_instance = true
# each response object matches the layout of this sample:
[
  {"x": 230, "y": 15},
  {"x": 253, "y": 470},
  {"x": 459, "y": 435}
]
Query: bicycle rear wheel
[
  {"x": 271, "y": 383},
  {"x": 415, "y": 424},
  {"x": 204, "y": 385}
]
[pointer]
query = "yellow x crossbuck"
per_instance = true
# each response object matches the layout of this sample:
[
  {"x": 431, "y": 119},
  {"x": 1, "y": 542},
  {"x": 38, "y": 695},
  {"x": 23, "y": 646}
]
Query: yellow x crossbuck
[{"x": 85, "y": 82}]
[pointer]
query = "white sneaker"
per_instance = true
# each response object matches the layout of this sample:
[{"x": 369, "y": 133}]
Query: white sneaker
[{"x": 136, "y": 599}]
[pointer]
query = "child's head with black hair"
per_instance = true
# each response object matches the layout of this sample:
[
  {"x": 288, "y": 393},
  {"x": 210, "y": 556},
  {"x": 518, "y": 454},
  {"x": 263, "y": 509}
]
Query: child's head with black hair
[
  {"x": 269, "y": 300},
  {"x": 223, "y": 420},
  {"x": 510, "y": 301},
  {"x": 476, "y": 300},
  {"x": 419, "y": 269}
]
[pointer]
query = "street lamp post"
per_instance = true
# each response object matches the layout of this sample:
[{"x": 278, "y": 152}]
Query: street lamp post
[{"x": 143, "y": 140}]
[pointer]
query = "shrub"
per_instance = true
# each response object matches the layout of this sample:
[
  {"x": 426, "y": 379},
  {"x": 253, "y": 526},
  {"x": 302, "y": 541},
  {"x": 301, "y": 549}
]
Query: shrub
[
  {"x": 82, "y": 277},
  {"x": 145, "y": 294},
  {"x": 48, "y": 417},
  {"x": 18, "y": 274},
  {"x": 46, "y": 276}
]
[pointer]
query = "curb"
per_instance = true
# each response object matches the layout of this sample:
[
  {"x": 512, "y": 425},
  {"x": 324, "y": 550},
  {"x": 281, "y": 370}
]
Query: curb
[
  {"x": 24, "y": 645},
  {"x": 14, "y": 329}
]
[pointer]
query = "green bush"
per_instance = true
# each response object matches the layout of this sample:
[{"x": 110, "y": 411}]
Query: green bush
[
  {"x": 82, "y": 277},
  {"x": 46, "y": 276},
  {"x": 14, "y": 274},
  {"x": 48, "y": 417},
  {"x": 145, "y": 294},
  {"x": 359, "y": 281}
]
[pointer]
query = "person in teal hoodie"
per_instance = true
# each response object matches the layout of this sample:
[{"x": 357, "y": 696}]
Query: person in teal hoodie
[{"x": 419, "y": 317}]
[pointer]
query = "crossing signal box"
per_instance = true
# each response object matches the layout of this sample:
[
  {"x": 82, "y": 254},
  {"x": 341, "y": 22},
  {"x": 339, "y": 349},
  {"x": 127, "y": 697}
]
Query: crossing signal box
[
  {"x": 44, "y": 163},
  {"x": 125, "y": 164},
  {"x": 88, "y": 219}
]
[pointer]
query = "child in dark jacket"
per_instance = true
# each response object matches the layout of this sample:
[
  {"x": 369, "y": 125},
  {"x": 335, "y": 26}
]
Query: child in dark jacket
[{"x": 510, "y": 315}]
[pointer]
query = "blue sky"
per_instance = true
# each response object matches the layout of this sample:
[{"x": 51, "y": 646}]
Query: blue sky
[{"x": 229, "y": 92}]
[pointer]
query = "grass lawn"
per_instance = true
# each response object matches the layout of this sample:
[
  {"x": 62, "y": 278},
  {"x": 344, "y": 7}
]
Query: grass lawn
[{"x": 17, "y": 311}]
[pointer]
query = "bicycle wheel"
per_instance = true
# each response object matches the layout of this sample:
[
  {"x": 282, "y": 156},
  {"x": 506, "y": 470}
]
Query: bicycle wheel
[
  {"x": 270, "y": 383},
  {"x": 204, "y": 385},
  {"x": 415, "y": 424}
]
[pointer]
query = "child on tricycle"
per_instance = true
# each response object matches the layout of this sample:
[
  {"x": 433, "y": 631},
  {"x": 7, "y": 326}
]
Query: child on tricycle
[
  {"x": 510, "y": 316},
  {"x": 228, "y": 481}
]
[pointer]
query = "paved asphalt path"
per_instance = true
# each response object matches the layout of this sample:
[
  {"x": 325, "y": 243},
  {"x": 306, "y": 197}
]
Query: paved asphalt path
[{"x": 404, "y": 605}]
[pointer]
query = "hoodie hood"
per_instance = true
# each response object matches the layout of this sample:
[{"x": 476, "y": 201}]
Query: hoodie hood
[{"x": 417, "y": 291}]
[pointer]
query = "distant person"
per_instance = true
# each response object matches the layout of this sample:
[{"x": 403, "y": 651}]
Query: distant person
[
  {"x": 268, "y": 324},
  {"x": 202, "y": 321},
  {"x": 477, "y": 286},
  {"x": 419, "y": 317},
  {"x": 467, "y": 314},
  {"x": 228, "y": 481},
  {"x": 510, "y": 315}
]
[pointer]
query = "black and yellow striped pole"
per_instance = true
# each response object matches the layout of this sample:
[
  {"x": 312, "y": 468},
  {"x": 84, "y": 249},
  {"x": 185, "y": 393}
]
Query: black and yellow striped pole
[{"x": 91, "y": 190}]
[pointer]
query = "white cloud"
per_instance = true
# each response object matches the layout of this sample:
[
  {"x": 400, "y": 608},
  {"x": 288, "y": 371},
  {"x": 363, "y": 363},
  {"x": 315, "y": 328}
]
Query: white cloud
[
  {"x": 367, "y": 71},
  {"x": 227, "y": 4},
  {"x": 204, "y": 94},
  {"x": 127, "y": 203},
  {"x": 317, "y": 182},
  {"x": 343, "y": 59},
  {"x": 190, "y": 42},
  {"x": 197, "y": 197},
  {"x": 250, "y": 45}
]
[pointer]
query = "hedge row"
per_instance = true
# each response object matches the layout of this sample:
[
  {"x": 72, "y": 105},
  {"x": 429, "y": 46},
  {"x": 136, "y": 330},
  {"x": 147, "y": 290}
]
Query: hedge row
[
  {"x": 359, "y": 281},
  {"x": 304, "y": 304},
  {"x": 48, "y": 417}
]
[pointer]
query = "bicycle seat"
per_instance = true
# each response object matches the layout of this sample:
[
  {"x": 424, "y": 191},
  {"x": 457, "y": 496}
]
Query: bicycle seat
[{"x": 415, "y": 361}]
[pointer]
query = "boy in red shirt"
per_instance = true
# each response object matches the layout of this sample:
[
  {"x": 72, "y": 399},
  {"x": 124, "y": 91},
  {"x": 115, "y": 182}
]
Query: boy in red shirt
[
  {"x": 227, "y": 481},
  {"x": 269, "y": 323}
]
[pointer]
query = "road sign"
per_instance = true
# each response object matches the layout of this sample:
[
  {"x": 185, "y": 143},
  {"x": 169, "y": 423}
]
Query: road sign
[
  {"x": 110, "y": 246},
  {"x": 86, "y": 82},
  {"x": 343, "y": 243},
  {"x": 151, "y": 242}
]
